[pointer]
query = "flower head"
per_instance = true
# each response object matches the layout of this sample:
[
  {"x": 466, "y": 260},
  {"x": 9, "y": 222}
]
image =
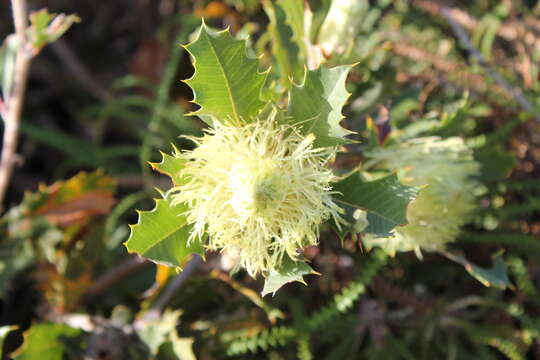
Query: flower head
[
  {"x": 442, "y": 207},
  {"x": 260, "y": 189}
]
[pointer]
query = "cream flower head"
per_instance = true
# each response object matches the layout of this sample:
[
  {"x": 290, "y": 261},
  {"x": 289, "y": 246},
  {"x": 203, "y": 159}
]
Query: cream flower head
[
  {"x": 259, "y": 189},
  {"x": 442, "y": 207}
]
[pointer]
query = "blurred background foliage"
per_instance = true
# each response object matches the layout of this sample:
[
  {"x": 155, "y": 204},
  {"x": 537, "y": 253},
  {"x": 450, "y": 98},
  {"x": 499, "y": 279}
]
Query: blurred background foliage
[{"x": 102, "y": 99}]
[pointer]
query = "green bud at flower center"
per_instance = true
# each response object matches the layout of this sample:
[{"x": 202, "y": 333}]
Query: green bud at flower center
[{"x": 267, "y": 193}]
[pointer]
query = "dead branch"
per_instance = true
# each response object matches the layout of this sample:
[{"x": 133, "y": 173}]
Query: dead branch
[
  {"x": 510, "y": 31},
  {"x": 466, "y": 42},
  {"x": 15, "y": 99}
]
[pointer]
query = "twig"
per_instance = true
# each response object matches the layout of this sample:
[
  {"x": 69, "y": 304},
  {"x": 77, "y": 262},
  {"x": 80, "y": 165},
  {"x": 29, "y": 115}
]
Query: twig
[
  {"x": 16, "y": 97},
  {"x": 515, "y": 30},
  {"x": 3, "y": 108},
  {"x": 158, "y": 306},
  {"x": 162, "y": 97},
  {"x": 113, "y": 276},
  {"x": 466, "y": 42},
  {"x": 79, "y": 70}
]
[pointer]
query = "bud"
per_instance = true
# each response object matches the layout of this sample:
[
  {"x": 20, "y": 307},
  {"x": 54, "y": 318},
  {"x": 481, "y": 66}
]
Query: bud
[{"x": 443, "y": 206}]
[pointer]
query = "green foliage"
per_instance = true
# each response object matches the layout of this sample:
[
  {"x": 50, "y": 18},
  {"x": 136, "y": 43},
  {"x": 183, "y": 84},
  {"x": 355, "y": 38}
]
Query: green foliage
[
  {"x": 47, "y": 28},
  {"x": 46, "y": 341},
  {"x": 385, "y": 200},
  {"x": 285, "y": 50},
  {"x": 62, "y": 266},
  {"x": 226, "y": 83},
  {"x": 315, "y": 106},
  {"x": 290, "y": 271},
  {"x": 281, "y": 335},
  {"x": 162, "y": 235},
  {"x": 495, "y": 276}
]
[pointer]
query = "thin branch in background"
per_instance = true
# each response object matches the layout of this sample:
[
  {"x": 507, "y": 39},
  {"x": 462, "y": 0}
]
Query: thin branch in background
[
  {"x": 162, "y": 97},
  {"x": 466, "y": 42},
  {"x": 13, "y": 108},
  {"x": 157, "y": 307},
  {"x": 113, "y": 276},
  {"x": 510, "y": 31},
  {"x": 3, "y": 108},
  {"x": 79, "y": 71}
]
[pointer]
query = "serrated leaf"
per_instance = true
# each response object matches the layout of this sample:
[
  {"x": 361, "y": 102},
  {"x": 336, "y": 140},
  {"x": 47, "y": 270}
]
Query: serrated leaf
[
  {"x": 294, "y": 10},
  {"x": 289, "y": 271},
  {"x": 287, "y": 52},
  {"x": 385, "y": 201},
  {"x": 171, "y": 165},
  {"x": 161, "y": 235},
  {"x": 495, "y": 276},
  {"x": 315, "y": 106},
  {"x": 226, "y": 83},
  {"x": 44, "y": 342}
]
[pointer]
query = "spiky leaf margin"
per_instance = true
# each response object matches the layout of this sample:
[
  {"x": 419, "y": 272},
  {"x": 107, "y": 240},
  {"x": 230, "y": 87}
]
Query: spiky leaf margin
[
  {"x": 315, "y": 106},
  {"x": 385, "y": 200},
  {"x": 162, "y": 234},
  {"x": 226, "y": 84}
]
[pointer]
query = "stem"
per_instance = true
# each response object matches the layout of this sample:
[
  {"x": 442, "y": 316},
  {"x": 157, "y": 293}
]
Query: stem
[
  {"x": 12, "y": 114},
  {"x": 114, "y": 276},
  {"x": 162, "y": 97},
  {"x": 157, "y": 308},
  {"x": 467, "y": 44}
]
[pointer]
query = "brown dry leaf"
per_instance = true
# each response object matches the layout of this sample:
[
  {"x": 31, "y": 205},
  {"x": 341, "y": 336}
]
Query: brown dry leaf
[
  {"x": 79, "y": 209},
  {"x": 75, "y": 200},
  {"x": 61, "y": 293}
]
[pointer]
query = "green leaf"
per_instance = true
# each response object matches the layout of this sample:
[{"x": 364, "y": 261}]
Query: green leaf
[
  {"x": 161, "y": 235},
  {"x": 44, "y": 342},
  {"x": 495, "y": 276},
  {"x": 289, "y": 271},
  {"x": 341, "y": 25},
  {"x": 385, "y": 201},
  {"x": 182, "y": 347},
  {"x": 294, "y": 10},
  {"x": 171, "y": 165},
  {"x": 287, "y": 52},
  {"x": 315, "y": 106},
  {"x": 496, "y": 163},
  {"x": 155, "y": 332},
  {"x": 226, "y": 83},
  {"x": 47, "y": 27}
]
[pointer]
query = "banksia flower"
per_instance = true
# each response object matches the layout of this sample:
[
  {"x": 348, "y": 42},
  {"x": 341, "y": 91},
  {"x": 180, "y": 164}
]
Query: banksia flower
[
  {"x": 259, "y": 189},
  {"x": 442, "y": 207}
]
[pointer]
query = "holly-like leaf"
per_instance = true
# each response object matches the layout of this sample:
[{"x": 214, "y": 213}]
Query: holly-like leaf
[
  {"x": 495, "y": 276},
  {"x": 289, "y": 271},
  {"x": 171, "y": 165},
  {"x": 315, "y": 106},
  {"x": 45, "y": 342},
  {"x": 161, "y": 235},
  {"x": 226, "y": 83},
  {"x": 295, "y": 13},
  {"x": 286, "y": 51},
  {"x": 385, "y": 200}
]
